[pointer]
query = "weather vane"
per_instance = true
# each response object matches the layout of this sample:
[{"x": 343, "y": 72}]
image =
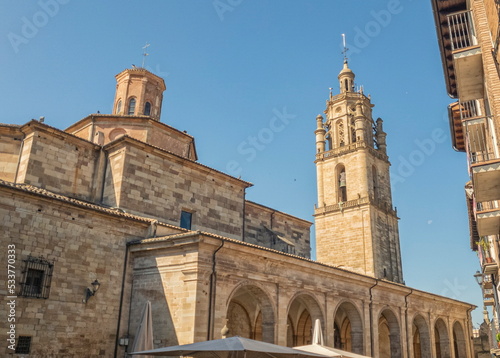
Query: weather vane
[
  {"x": 145, "y": 54},
  {"x": 344, "y": 51}
]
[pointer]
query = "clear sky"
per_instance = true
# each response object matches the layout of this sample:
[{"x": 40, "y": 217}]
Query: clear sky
[{"x": 231, "y": 66}]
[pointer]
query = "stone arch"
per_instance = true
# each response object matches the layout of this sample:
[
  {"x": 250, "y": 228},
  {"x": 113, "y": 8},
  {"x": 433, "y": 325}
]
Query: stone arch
[
  {"x": 250, "y": 313},
  {"x": 389, "y": 335},
  {"x": 341, "y": 141},
  {"x": 131, "y": 106},
  {"x": 118, "y": 108},
  {"x": 459, "y": 346},
  {"x": 441, "y": 339},
  {"x": 147, "y": 108},
  {"x": 329, "y": 141},
  {"x": 303, "y": 310},
  {"x": 116, "y": 133},
  {"x": 352, "y": 129},
  {"x": 348, "y": 328},
  {"x": 421, "y": 339}
]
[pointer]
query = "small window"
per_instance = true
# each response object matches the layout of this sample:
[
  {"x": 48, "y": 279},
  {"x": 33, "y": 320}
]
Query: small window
[
  {"x": 119, "y": 107},
  {"x": 23, "y": 345},
  {"x": 147, "y": 109},
  {"x": 186, "y": 218},
  {"x": 36, "y": 279},
  {"x": 131, "y": 107}
]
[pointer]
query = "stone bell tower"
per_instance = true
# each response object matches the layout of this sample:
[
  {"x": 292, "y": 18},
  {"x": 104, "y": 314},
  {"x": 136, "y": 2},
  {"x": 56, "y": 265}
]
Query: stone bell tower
[{"x": 356, "y": 225}]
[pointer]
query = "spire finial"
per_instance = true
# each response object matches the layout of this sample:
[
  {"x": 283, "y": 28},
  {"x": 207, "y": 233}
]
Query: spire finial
[
  {"x": 144, "y": 54},
  {"x": 344, "y": 51}
]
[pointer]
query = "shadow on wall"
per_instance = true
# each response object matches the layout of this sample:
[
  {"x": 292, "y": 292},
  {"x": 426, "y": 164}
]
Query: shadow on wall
[{"x": 148, "y": 286}]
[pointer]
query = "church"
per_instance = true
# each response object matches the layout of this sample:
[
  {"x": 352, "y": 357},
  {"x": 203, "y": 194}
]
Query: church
[{"x": 116, "y": 210}]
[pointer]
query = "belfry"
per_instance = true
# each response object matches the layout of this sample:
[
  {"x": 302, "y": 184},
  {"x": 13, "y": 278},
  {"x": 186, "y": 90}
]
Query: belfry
[{"x": 356, "y": 224}]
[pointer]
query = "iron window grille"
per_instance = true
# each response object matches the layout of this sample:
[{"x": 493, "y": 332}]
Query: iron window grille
[
  {"x": 23, "y": 345},
  {"x": 37, "y": 275}
]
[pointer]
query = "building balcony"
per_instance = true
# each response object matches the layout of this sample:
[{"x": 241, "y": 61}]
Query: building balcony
[
  {"x": 488, "y": 264},
  {"x": 487, "y": 283},
  {"x": 471, "y": 211},
  {"x": 488, "y": 293},
  {"x": 488, "y": 218},
  {"x": 467, "y": 56},
  {"x": 483, "y": 157},
  {"x": 489, "y": 301},
  {"x": 490, "y": 268},
  {"x": 459, "y": 114}
]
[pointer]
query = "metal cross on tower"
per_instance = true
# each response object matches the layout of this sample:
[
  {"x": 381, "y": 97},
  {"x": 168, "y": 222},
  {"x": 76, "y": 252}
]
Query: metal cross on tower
[
  {"x": 144, "y": 54},
  {"x": 344, "y": 51}
]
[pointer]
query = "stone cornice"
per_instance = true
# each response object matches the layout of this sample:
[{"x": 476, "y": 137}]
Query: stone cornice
[
  {"x": 260, "y": 206},
  {"x": 162, "y": 152},
  {"x": 346, "y": 205},
  {"x": 337, "y": 152},
  {"x": 196, "y": 238},
  {"x": 34, "y": 125},
  {"x": 48, "y": 195}
]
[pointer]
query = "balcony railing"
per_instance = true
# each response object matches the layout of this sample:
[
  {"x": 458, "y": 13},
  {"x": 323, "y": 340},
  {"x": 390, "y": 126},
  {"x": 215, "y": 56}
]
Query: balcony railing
[
  {"x": 489, "y": 301},
  {"x": 341, "y": 206},
  {"x": 461, "y": 30},
  {"x": 487, "y": 205},
  {"x": 488, "y": 293},
  {"x": 487, "y": 282},
  {"x": 471, "y": 109},
  {"x": 351, "y": 148},
  {"x": 479, "y": 140}
]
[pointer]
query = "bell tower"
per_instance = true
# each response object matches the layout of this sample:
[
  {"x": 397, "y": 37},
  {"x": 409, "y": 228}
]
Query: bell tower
[
  {"x": 138, "y": 93},
  {"x": 356, "y": 225}
]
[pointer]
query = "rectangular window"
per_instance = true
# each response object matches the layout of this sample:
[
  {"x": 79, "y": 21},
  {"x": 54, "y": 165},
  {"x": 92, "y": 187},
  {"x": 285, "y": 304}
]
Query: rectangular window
[
  {"x": 33, "y": 284},
  {"x": 23, "y": 345},
  {"x": 37, "y": 275},
  {"x": 186, "y": 218}
]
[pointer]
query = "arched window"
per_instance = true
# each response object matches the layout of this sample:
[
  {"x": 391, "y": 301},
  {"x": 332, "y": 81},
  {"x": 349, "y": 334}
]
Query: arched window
[
  {"x": 147, "y": 109},
  {"x": 340, "y": 131},
  {"x": 353, "y": 131},
  {"x": 329, "y": 142},
  {"x": 341, "y": 184},
  {"x": 119, "y": 106},
  {"x": 131, "y": 107}
]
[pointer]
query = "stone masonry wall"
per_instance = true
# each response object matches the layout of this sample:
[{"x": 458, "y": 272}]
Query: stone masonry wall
[
  {"x": 10, "y": 146},
  {"x": 58, "y": 163},
  {"x": 157, "y": 184},
  {"x": 281, "y": 287},
  {"x": 103, "y": 129},
  {"x": 344, "y": 239},
  {"x": 178, "y": 290},
  {"x": 84, "y": 246},
  {"x": 386, "y": 240},
  {"x": 297, "y": 231}
]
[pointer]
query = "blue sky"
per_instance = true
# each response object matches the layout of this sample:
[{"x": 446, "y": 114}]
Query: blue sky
[{"x": 231, "y": 66}]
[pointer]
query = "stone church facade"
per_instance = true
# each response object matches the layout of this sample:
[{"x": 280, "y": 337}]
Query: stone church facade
[{"x": 121, "y": 199}]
